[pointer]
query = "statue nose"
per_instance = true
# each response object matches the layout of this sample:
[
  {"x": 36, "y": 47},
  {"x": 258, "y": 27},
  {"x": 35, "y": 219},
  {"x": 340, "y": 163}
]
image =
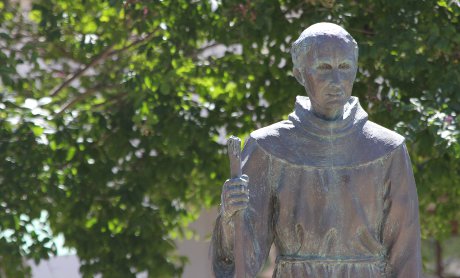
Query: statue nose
[
  {"x": 335, "y": 84},
  {"x": 335, "y": 78}
]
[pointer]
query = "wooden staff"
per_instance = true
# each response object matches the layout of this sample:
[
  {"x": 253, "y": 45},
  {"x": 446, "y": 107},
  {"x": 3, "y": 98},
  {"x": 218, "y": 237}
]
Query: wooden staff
[{"x": 234, "y": 154}]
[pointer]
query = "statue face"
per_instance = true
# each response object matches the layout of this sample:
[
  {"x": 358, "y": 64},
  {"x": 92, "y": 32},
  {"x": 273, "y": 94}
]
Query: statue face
[{"x": 329, "y": 75}]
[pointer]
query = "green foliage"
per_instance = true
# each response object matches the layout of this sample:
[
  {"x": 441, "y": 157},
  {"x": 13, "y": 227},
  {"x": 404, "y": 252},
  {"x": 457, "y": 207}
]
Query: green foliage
[{"x": 112, "y": 113}]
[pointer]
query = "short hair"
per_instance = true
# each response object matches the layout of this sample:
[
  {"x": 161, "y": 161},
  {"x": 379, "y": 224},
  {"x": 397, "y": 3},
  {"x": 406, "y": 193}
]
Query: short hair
[{"x": 307, "y": 39}]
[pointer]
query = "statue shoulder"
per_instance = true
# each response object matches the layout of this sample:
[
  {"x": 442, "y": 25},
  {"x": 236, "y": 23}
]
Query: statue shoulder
[
  {"x": 276, "y": 139},
  {"x": 261, "y": 143},
  {"x": 381, "y": 138},
  {"x": 272, "y": 132}
]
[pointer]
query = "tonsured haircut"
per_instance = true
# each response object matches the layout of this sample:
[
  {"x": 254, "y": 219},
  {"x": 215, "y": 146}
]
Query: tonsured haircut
[{"x": 309, "y": 36}]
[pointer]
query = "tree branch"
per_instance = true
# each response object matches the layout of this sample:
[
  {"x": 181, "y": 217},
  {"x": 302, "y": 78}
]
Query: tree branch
[
  {"x": 94, "y": 62},
  {"x": 115, "y": 100},
  {"x": 199, "y": 51},
  {"x": 102, "y": 56},
  {"x": 134, "y": 43},
  {"x": 82, "y": 96},
  {"x": 366, "y": 32}
]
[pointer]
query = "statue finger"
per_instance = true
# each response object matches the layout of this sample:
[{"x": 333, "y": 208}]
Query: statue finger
[
  {"x": 240, "y": 205},
  {"x": 239, "y": 190},
  {"x": 236, "y": 181},
  {"x": 239, "y": 198},
  {"x": 234, "y": 192},
  {"x": 236, "y": 188}
]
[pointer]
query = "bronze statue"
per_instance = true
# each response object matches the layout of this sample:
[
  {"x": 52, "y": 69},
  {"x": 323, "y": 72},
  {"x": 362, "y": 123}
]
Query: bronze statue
[{"x": 332, "y": 190}]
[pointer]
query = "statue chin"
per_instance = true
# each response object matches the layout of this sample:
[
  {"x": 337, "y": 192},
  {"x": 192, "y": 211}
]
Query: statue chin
[
  {"x": 330, "y": 107},
  {"x": 334, "y": 110}
]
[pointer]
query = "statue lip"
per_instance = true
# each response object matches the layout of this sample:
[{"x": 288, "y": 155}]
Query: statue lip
[{"x": 336, "y": 94}]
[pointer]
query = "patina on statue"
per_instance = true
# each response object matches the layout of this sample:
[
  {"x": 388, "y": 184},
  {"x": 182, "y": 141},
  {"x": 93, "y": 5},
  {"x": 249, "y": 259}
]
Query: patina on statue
[{"x": 332, "y": 190}]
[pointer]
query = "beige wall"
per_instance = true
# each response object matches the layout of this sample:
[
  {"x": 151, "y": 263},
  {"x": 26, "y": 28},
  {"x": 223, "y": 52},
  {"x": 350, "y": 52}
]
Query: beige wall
[{"x": 197, "y": 251}]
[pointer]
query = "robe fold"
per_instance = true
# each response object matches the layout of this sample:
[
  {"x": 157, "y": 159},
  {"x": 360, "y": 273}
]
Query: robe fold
[{"x": 337, "y": 198}]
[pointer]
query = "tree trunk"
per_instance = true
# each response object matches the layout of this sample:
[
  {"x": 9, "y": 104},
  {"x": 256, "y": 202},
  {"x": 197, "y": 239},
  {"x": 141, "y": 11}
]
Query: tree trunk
[{"x": 438, "y": 253}]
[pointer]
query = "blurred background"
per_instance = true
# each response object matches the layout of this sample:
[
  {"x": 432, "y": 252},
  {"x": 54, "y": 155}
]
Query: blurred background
[{"x": 114, "y": 117}]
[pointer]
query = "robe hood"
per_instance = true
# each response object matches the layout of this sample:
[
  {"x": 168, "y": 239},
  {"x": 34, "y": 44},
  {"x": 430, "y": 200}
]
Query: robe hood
[
  {"x": 305, "y": 139},
  {"x": 353, "y": 117}
]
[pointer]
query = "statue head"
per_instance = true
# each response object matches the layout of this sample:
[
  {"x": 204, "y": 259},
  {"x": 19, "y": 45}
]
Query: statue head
[{"x": 325, "y": 58}]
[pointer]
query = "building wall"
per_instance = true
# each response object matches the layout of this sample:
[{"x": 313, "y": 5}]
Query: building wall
[{"x": 197, "y": 250}]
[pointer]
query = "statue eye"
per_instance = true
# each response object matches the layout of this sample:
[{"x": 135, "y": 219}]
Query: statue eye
[
  {"x": 324, "y": 66},
  {"x": 344, "y": 66}
]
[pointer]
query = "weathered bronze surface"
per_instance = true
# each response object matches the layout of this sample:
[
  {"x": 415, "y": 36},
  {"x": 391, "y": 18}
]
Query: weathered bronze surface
[{"x": 332, "y": 190}]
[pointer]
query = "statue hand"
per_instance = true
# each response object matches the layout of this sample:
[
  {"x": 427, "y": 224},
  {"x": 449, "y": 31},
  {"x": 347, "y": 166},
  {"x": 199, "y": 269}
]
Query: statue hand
[{"x": 235, "y": 196}]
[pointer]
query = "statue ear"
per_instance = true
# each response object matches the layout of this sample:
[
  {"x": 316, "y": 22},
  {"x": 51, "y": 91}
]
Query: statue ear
[{"x": 298, "y": 76}]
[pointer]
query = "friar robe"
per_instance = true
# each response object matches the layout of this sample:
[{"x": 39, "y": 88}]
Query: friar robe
[{"x": 337, "y": 198}]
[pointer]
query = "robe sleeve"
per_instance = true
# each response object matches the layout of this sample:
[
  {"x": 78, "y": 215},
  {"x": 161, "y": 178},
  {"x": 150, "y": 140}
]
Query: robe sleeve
[
  {"x": 257, "y": 230},
  {"x": 401, "y": 228}
]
